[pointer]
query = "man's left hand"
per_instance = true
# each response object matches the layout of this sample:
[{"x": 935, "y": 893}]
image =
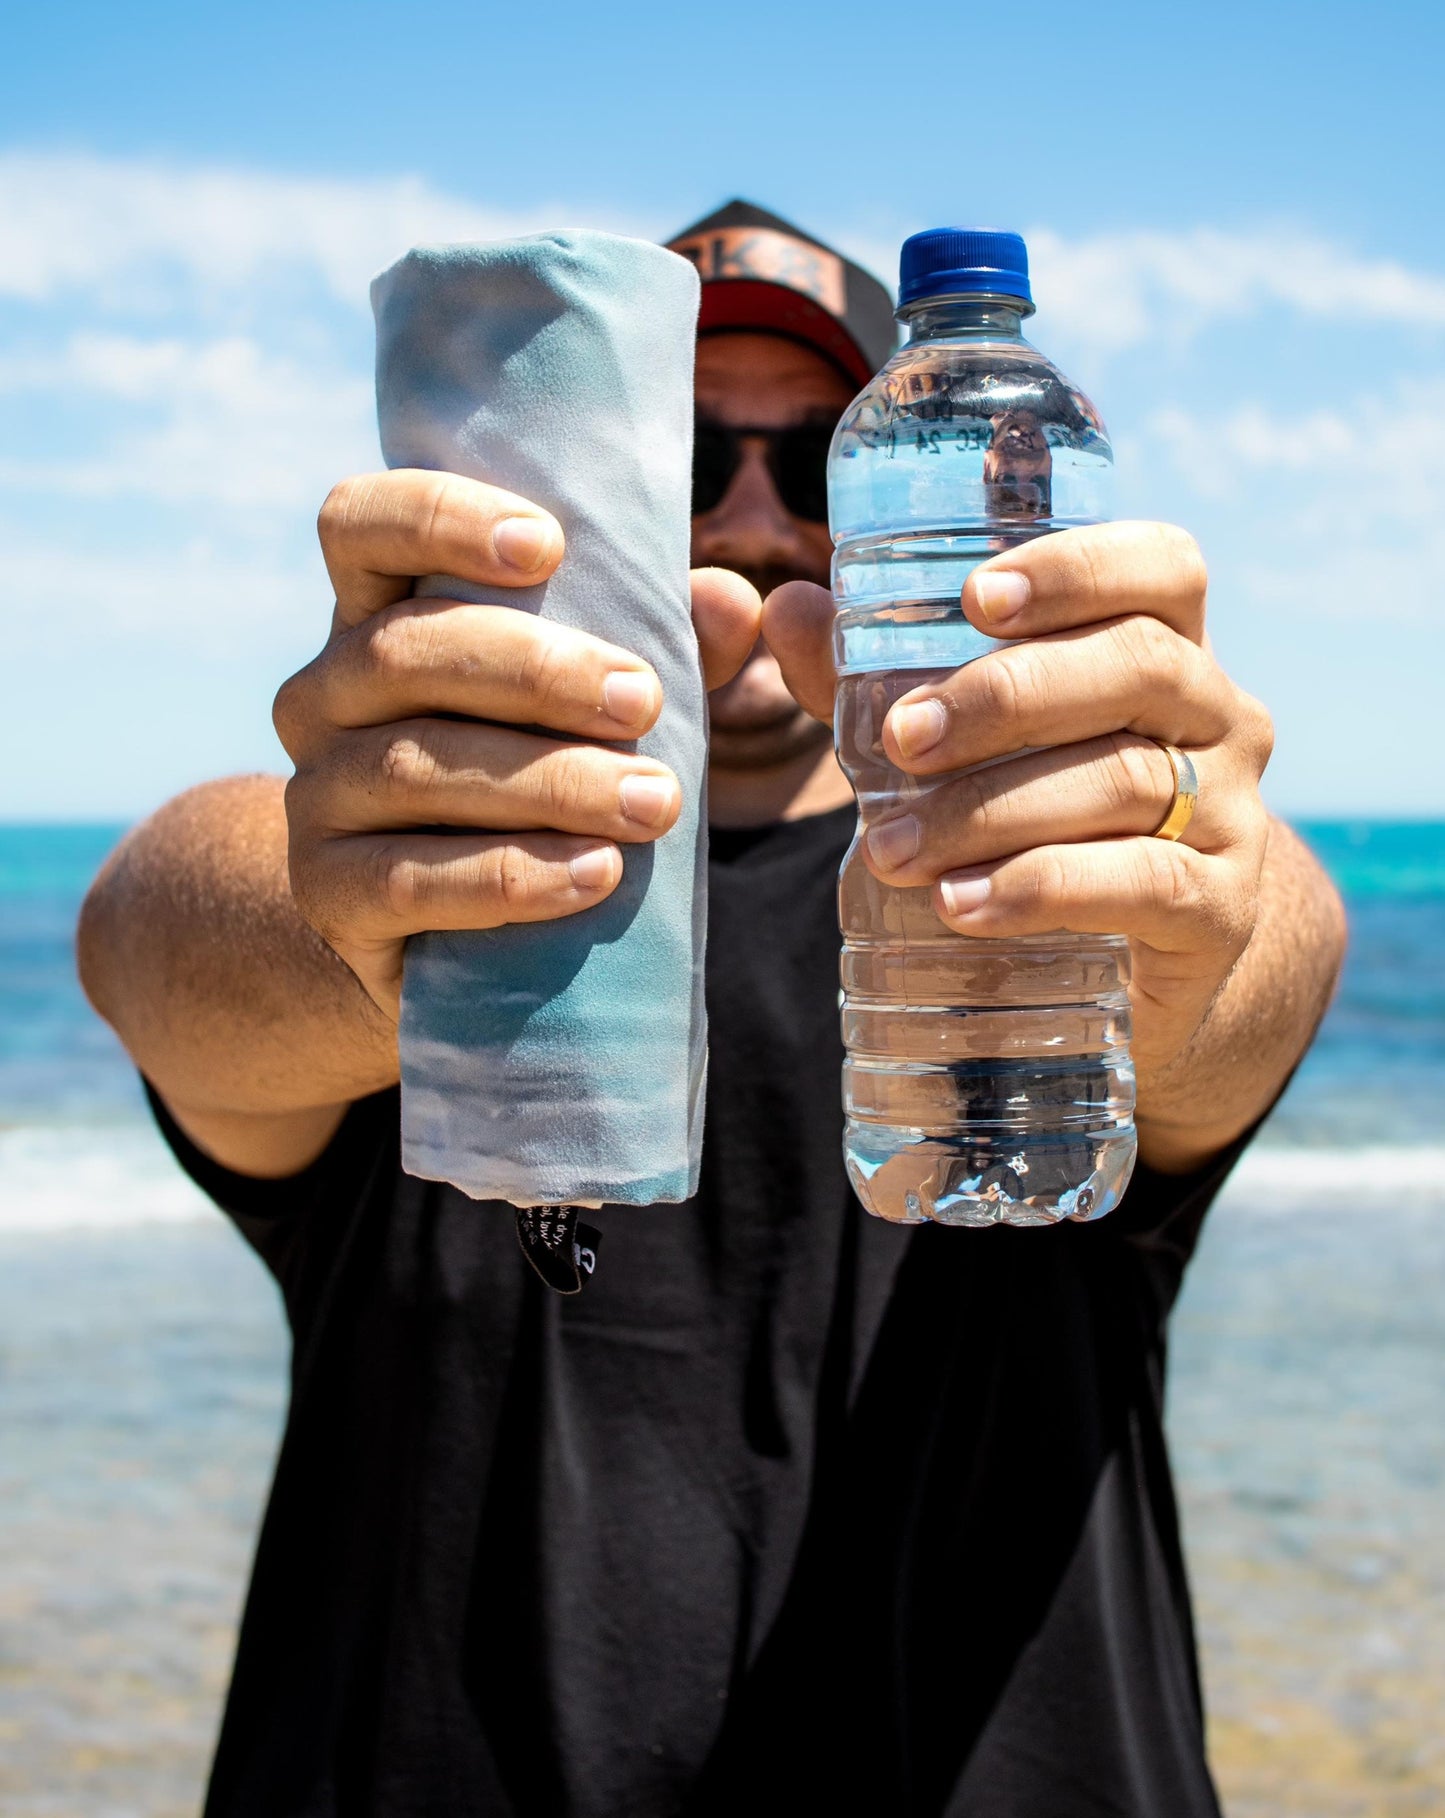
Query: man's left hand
[{"x": 1057, "y": 830}]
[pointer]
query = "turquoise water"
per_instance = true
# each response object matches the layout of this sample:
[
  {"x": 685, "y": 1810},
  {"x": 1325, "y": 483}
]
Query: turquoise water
[
  {"x": 57, "y": 1060},
  {"x": 1382, "y": 860},
  {"x": 143, "y": 1365},
  {"x": 1375, "y": 1075}
]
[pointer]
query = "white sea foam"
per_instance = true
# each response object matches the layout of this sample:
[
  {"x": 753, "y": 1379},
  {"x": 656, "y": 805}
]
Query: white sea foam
[
  {"x": 97, "y": 1177},
  {"x": 77, "y": 1177},
  {"x": 1298, "y": 1174}
]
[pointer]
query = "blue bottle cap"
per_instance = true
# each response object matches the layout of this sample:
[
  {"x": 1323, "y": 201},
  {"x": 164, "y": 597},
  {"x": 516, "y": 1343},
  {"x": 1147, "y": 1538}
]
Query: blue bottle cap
[{"x": 953, "y": 261}]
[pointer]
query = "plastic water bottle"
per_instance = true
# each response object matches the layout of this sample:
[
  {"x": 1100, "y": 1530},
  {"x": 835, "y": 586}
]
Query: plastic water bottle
[{"x": 986, "y": 1081}]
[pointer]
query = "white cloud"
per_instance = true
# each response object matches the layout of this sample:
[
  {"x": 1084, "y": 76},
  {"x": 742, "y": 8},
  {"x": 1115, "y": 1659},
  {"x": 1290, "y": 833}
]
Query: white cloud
[
  {"x": 184, "y": 372},
  {"x": 1340, "y": 505},
  {"x": 1385, "y": 450},
  {"x": 1355, "y": 578},
  {"x": 1118, "y": 290},
  {"x": 260, "y": 420},
  {"x": 202, "y": 596},
  {"x": 221, "y": 420},
  {"x": 141, "y": 371},
  {"x": 116, "y": 271},
  {"x": 117, "y": 230},
  {"x": 1218, "y": 453}
]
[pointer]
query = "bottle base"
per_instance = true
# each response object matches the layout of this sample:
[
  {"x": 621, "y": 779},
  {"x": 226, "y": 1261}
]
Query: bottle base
[{"x": 911, "y": 1178}]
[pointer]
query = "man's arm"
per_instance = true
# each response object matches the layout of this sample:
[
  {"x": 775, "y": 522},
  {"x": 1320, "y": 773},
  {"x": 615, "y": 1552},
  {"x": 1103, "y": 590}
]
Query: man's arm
[
  {"x": 244, "y": 1020},
  {"x": 246, "y": 942}
]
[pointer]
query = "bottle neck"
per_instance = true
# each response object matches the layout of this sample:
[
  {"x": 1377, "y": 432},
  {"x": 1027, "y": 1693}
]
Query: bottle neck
[{"x": 965, "y": 318}]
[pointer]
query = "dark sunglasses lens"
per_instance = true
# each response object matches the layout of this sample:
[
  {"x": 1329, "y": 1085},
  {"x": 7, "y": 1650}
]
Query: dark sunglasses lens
[
  {"x": 800, "y": 465},
  {"x": 714, "y": 462}
]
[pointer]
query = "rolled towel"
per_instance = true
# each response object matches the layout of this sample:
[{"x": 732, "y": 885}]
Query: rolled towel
[{"x": 564, "y": 1062}]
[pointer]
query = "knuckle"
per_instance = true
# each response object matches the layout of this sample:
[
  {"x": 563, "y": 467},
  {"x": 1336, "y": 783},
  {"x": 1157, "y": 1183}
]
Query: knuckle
[
  {"x": 1259, "y": 732},
  {"x": 1006, "y": 683},
  {"x": 447, "y": 515},
  {"x": 1147, "y": 652},
  {"x": 512, "y": 878},
  {"x": 396, "y": 644},
  {"x": 1092, "y": 558},
  {"x": 398, "y": 886},
  {"x": 1153, "y": 648},
  {"x": 547, "y": 671},
  {"x": 343, "y": 507},
  {"x": 296, "y": 799},
  {"x": 405, "y": 765},
  {"x": 569, "y": 786},
  {"x": 1130, "y": 774},
  {"x": 1250, "y": 831},
  {"x": 1257, "y": 825},
  {"x": 1048, "y": 882},
  {"x": 1197, "y": 679},
  {"x": 299, "y": 845},
  {"x": 975, "y": 805},
  {"x": 293, "y": 710},
  {"x": 1172, "y": 882},
  {"x": 1184, "y": 561}
]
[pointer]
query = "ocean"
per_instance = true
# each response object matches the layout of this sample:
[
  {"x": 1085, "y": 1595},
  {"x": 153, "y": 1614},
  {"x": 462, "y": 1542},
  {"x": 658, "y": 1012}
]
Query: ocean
[{"x": 143, "y": 1362}]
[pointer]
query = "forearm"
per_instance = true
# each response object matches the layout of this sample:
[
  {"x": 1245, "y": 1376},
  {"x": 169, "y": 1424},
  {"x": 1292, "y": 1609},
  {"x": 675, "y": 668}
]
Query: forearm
[
  {"x": 1259, "y": 1022},
  {"x": 247, "y": 1023}
]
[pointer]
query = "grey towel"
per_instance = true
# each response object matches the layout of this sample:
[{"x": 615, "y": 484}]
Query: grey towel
[{"x": 563, "y": 1062}]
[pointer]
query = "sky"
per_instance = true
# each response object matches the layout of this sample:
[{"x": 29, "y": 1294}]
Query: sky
[{"x": 1233, "y": 211}]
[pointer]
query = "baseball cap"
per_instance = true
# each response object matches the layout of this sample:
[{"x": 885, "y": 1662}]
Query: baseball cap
[{"x": 758, "y": 271}]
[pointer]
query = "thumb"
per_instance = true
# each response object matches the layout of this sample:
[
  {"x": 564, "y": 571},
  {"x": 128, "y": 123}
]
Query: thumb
[
  {"x": 798, "y": 629},
  {"x": 726, "y": 611}
]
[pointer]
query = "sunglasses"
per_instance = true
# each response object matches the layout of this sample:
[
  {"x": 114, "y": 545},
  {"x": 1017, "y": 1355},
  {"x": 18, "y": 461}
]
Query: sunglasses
[{"x": 797, "y": 459}]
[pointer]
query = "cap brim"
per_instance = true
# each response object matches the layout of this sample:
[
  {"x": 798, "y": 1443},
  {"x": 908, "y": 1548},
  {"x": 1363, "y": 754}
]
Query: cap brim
[{"x": 773, "y": 308}]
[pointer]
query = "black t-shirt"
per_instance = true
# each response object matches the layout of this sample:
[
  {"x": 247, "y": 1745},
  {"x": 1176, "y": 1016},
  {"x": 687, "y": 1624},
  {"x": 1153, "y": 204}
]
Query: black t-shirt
[{"x": 788, "y": 1511}]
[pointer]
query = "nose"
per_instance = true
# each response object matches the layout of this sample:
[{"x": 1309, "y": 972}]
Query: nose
[{"x": 749, "y": 528}]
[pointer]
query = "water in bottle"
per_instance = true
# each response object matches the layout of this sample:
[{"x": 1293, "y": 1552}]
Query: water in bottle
[{"x": 986, "y": 1081}]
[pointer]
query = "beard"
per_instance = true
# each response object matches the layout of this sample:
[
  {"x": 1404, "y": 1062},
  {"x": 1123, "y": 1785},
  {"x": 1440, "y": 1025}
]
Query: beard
[{"x": 756, "y": 724}]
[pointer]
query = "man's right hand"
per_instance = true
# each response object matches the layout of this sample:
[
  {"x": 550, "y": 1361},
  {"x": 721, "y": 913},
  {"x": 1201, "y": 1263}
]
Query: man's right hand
[{"x": 411, "y": 720}]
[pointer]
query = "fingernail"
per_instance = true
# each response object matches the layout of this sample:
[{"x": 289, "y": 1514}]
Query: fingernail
[
  {"x": 522, "y": 542},
  {"x": 1000, "y": 595},
  {"x": 595, "y": 869},
  {"x": 918, "y": 728},
  {"x": 646, "y": 799},
  {"x": 627, "y": 696},
  {"x": 962, "y": 895},
  {"x": 894, "y": 842}
]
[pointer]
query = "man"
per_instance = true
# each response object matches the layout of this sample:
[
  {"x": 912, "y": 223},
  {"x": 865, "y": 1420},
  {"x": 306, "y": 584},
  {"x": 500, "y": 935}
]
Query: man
[{"x": 790, "y": 1510}]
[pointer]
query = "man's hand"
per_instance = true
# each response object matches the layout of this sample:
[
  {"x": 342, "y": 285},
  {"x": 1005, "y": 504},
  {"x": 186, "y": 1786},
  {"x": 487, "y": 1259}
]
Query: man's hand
[
  {"x": 422, "y": 715},
  {"x": 222, "y": 979},
  {"x": 1056, "y": 830}
]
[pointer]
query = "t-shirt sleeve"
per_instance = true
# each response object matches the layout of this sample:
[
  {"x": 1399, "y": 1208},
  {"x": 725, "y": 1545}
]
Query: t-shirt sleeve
[{"x": 271, "y": 1214}]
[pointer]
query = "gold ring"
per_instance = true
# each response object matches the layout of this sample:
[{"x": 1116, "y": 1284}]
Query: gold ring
[{"x": 1186, "y": 793}]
